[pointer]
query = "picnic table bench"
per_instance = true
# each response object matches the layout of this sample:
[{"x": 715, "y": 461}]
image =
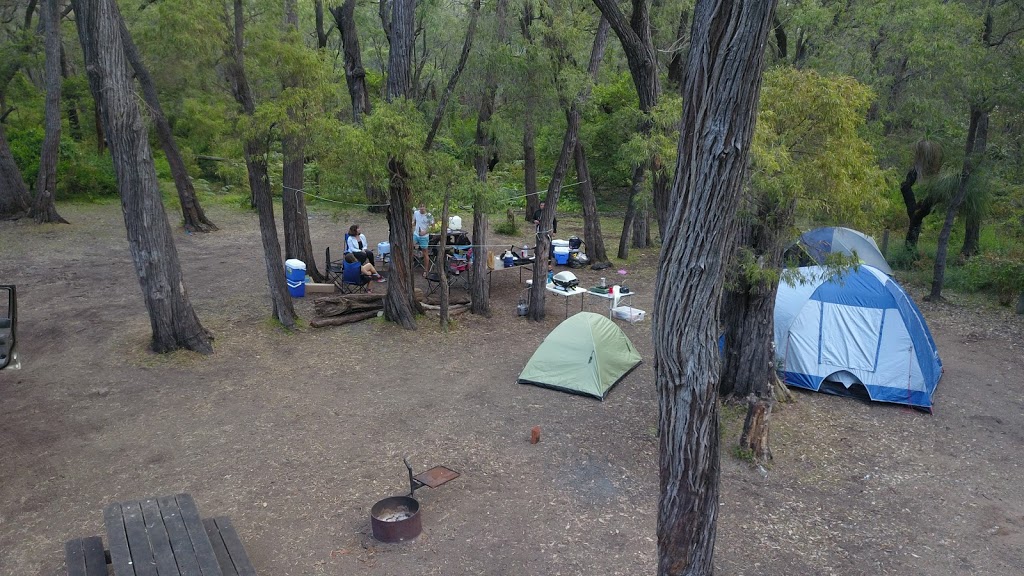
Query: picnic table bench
[{"x": 160, "y": 537}]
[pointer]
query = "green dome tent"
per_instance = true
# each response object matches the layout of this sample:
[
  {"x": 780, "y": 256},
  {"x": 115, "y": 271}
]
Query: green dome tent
[{"x": 586, "y": 354}]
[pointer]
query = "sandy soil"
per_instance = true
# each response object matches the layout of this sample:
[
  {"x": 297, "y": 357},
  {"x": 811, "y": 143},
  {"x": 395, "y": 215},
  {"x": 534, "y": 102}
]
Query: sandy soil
[{"x": 296, "y": 435}]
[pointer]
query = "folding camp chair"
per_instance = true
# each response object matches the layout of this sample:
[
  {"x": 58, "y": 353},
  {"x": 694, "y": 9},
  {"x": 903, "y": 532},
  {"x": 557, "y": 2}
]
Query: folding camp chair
[
  {"x": 351, "y": 280},
  {"x": 334, "y": 268}
]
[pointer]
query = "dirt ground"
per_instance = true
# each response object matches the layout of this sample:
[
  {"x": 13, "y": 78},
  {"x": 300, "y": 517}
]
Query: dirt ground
[{"x": 296, "y": 435}]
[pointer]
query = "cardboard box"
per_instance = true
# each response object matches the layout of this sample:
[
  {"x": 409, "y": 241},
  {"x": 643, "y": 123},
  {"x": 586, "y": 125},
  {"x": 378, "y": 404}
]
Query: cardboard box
[{"x": 320, "y": 288}]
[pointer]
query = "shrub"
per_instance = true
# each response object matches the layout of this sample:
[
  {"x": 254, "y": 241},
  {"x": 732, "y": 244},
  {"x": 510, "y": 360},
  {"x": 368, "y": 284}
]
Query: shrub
[{"x": 506, "y": 228}]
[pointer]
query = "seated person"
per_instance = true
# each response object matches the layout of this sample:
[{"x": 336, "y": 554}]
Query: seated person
[
  {"x": 359, "y": 272},
  {"x": 355, "y": 241}
]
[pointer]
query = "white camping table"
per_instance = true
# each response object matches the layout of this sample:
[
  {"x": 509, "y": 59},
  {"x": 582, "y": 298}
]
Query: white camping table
[
  {"x": 577, "y": 291},
  {"x": 614, "y": 300}
]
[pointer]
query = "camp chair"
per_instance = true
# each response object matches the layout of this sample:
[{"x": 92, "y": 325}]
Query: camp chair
[
  {"x": 352, "y": 279},
  {"x": 334, "y": 268},
  {"x": 457, "y": 273}
]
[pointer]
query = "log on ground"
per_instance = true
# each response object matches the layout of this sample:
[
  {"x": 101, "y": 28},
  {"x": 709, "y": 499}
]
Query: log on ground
[{"x": 319, "y": 322}]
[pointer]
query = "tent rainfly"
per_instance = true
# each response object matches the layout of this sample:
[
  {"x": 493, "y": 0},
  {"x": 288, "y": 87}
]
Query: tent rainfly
[
  {"x": 586, "y": 354},
  {"x": 821, "y": 242},
  {"x": 855, "y": 327}
]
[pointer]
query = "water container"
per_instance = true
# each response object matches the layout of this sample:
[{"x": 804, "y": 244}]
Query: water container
[
  {"x": 509, "y": 259},
  {"x": 295, "y": 272},
  {"x": 384, "y": 248},
  {"x": 455, "y": 223}
]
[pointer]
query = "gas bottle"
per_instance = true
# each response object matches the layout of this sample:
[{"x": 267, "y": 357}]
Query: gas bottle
[{"x": 526, "y": 252}]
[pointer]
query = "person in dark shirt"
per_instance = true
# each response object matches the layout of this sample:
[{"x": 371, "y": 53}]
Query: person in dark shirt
[{"x": 536, "y": 219}]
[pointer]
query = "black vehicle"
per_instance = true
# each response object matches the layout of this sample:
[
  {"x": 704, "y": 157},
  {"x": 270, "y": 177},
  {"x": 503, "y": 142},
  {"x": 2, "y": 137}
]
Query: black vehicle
[{"x": 8, "y": 327}]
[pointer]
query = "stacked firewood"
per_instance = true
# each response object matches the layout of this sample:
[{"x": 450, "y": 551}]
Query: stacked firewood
[{"x": 339, "y": 309}]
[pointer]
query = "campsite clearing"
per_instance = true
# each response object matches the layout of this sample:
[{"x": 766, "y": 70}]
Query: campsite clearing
[{"x": 296, "y": 435}]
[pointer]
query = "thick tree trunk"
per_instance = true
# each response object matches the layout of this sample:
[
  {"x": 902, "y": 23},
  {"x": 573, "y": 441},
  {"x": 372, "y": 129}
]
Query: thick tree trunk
[
  {"x": 939, "y": 271},
  {"x": 14, "y": 197},
  {"x": 193, "y": 217},
  {"x": 400, "y": 305},
  {"x": 150, "y": 240},
  {"x": 259, "y": 181},
  {"x": 723, "y": 82},
  {"x": 592, "y": 235},
  {"x": 467, "y": 44},
  {"x": 677, "y": 65},
  {"x": 44, "y": 209},
  {"x": 355, "y": 74},
  {"x": 530, "y": 165},
  {"x": 754, "y": 438},
  {"x": 101, "y": 139},
  {"x": 297, "y": 241}
]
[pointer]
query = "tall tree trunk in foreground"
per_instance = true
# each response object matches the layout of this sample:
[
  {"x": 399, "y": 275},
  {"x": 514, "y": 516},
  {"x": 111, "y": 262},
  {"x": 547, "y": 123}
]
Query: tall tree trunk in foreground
[
  {"x": 44, "y": 209},
  {"x": 150, "y": 239},
  {"x": 400, "y": 305},
  {"x": 596, "y": 251},
  {"x": 14, "y": 198},
  {"x": 297, "y": 241},
  {"x": 442, "y": 262},
  {"x": 939, "y": 271},
  {"x": 569, "y": 141},
  {"x": 259, "y": 182},
  {"x": 442, "y": 105},
  {"x": 193, "y": 217},
  {"x": 723, "y": 83}
]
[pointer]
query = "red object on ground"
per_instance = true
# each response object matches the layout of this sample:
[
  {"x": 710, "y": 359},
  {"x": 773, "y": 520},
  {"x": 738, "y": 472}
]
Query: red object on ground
[{"x": 535, "y": 435}]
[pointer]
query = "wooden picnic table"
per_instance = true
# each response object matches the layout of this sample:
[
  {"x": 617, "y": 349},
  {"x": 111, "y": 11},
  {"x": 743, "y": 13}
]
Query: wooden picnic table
[{"x": 166, "y": 537}]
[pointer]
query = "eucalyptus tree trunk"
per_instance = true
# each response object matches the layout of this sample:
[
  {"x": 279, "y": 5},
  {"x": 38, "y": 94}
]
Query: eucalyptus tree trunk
[
  {"x": 442, "y": 105},
  {"x": 14, "y": 197},
  {"x": 193, "y": 217},
  {"x": 355, "y": 74},
  {"x": 259, "y": 182},
  {"x": 71, "y": 103},
  {"x": 297, "y": 241},
  {"x": 530, "y": 164},
  {"x": 723, "y": 83},
  {"x": 321, "y": 36},
  {"x": 400, "y": 305},
  {"x": 591, "y": 219},
  {"x": 642, "y": 225},
  {"x": 939, "y": 271},
  {"x": 634, "y": 34},
  {"x": 150, "y": 239},
  {"x": 972, "y": 220},
  {"x": 44, "y": 209},
  {"x": 569, "y": 142},
  {"x": 596, "y": 251},
  {"x": 479, "y": 290},
  {"x": 748, "y": 313}
]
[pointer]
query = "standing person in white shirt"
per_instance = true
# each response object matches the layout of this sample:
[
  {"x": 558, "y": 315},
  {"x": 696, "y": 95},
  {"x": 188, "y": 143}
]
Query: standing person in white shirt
[{"x": 421, "y": 223}]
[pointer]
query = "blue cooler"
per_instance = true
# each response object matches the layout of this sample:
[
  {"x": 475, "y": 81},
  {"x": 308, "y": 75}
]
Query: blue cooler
[
  {"x": 295, "y": 272},
  {"x": 561, "y": 255}
]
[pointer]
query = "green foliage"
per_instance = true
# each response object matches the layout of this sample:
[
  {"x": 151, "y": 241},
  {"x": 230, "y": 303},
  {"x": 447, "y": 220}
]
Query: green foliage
[
  {"x": 507, "y": 228},
  {"x": 809, "y": 148},
  {"x": 998, "y": 274}
]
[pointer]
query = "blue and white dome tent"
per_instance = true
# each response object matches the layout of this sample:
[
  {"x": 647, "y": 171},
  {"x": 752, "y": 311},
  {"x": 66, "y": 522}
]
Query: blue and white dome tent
[
  {"x": 821, "y": 242},
  {"x": 855, "y": 327}
]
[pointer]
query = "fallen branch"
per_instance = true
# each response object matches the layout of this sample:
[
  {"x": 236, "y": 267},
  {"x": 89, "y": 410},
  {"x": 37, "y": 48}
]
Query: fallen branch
[{"x": 342, "y": 320}]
